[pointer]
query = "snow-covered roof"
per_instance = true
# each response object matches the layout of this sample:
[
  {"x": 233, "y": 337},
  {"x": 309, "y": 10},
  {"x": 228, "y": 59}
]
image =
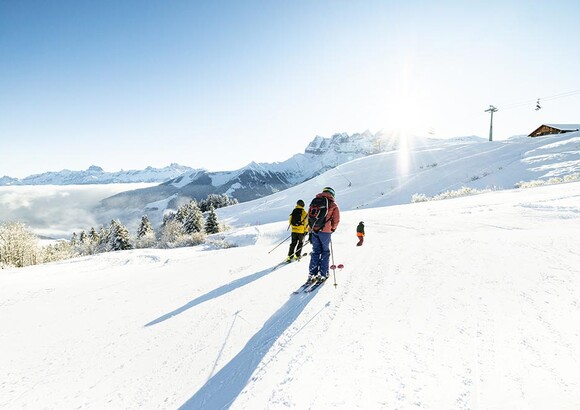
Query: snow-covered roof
[
  {"x": 565, "y": 127},
  {"x": 561, "y": 128}
]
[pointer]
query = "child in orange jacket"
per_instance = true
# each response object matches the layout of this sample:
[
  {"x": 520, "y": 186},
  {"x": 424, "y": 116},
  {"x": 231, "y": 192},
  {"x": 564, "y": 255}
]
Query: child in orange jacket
[{"x": 360, "y": 233}]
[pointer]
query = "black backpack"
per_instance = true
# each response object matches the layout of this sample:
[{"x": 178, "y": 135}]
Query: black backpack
[
  {"x": 317, "y": 213},
  {"x": 296, "y": 217}
]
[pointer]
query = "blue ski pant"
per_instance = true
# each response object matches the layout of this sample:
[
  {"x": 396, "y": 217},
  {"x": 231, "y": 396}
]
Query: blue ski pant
[{"x": 320, "y": 256}]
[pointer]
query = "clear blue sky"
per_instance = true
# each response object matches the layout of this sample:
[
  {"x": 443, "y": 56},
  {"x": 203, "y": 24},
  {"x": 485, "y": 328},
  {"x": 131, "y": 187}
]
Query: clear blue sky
[{"x": 217, "y": 84}]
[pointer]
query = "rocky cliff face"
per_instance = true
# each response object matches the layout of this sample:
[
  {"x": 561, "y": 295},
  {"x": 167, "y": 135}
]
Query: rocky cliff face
[{"x": 365, "y": 144}]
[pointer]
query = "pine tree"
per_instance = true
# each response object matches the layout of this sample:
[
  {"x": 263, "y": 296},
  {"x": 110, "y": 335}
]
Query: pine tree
[
  {"x": 168, "y": 217},
  {"x": 119, "y": 239},
  {"x": 217, "y": 201},
  {"x": 94, "y": 235},
  {"x": 212, "y": 224},
  {"x": 103, "y": 243},
  {"x": 145, "y": 234},
  {"x": 145, "y": 228},
  {"x": 193, "y": 220},
  {"x": 182, "y": 212},
  {"x": 91, "y": 242}
]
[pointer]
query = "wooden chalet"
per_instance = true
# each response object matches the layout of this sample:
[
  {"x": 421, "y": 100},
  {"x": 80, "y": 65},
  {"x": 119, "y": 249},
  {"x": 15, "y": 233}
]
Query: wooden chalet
[{"x": 548, "y": 129}]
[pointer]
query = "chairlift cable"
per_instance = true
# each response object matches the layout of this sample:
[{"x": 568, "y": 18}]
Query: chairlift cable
[{"x": 543, "y": 99}]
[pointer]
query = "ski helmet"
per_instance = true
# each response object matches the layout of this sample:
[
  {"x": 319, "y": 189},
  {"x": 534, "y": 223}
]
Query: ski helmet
[{"x": 329, "y": 190}]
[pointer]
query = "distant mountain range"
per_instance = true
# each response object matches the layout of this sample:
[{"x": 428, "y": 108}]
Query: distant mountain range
[
  {"x": 252, "y": 181},
  {"x": 95, "y": 175}
]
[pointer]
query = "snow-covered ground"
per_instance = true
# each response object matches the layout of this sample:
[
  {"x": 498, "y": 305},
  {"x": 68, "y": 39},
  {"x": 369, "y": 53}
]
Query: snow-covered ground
[
  {"x": 457, "y": 304},
  {"x": 425, "y": 167}
]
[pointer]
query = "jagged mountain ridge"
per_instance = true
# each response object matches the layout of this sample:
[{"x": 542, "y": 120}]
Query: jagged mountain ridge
[
  {"x": 252, "y": 181},
  {"x": 96, "y": 175}
]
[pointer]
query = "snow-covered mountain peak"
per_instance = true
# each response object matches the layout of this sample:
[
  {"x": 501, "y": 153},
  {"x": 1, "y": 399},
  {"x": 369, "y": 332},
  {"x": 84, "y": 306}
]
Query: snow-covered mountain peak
[
  {"x": 96, "y": 175},
  {"x": 252, "y": 166},
  {"x": 365, "y": 144}
]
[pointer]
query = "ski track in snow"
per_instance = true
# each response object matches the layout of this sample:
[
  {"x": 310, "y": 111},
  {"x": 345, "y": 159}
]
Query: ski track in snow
[{"x": 468, "y": 342}]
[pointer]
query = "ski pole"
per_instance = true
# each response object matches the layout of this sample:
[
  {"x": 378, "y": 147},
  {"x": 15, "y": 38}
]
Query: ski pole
[
  {"x": 280, "y": 243},
  {"x": 333, "y": 265}
]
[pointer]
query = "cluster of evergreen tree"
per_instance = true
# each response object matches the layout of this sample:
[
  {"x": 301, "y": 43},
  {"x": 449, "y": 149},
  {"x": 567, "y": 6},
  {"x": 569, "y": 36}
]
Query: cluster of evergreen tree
[
  {"x": 216, "y": 201},
  {"x": 114, "y": 237},
  {"x": 185, "y": 227}
]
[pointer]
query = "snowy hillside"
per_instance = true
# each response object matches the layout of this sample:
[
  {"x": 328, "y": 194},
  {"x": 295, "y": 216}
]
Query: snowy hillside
[
  {"x": 456, "y": 304},
  {"x": 96, "y": 175},
  {"x": 426, "y": 167},
  {"x": 406, "y": 166}
]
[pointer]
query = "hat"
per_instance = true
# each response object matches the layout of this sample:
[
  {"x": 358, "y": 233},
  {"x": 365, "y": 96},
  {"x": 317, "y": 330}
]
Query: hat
[
  {"x": 329, "y": 190},
  {"x": 300, "y": 202}
]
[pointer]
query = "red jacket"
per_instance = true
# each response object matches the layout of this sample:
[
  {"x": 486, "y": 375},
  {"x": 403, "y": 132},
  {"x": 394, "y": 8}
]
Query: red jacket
[{"x": 333, "y": 215}]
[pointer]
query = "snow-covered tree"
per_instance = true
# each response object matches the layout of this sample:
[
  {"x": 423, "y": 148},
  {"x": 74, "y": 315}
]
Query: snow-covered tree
[
  {"x": 57, "y": 252},
  {"x": 104, "y": 240},
  {"x": 93, "y": 235},
  {"x": 74, "y": 240},
  {"x": 167, "y": 217},
  {"x": 171, "y": 234},
  {"x": 88, "y": 242},
  {"x": 217, "y": 201},
  {"x": 145, "y": 228},
  {"x": 18, "y": 245},
  {"x": 192, "y": 218},
  {"x": 145, "y": 233},
  {"x": 119, "y": 239},
  {"x": 212, "y": 224}
]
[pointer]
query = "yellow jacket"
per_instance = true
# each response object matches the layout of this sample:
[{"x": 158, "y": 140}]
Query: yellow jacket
[{"x": 301, "y": 228}]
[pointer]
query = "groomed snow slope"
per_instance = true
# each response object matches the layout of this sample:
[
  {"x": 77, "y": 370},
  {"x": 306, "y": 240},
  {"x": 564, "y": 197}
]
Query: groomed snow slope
[
  {"x": 392, "y": 178},
  {"x": 458, "y": 304}
]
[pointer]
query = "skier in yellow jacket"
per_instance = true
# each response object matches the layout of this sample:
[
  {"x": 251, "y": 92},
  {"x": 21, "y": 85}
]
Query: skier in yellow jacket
[{"x": 298, "y": 220}]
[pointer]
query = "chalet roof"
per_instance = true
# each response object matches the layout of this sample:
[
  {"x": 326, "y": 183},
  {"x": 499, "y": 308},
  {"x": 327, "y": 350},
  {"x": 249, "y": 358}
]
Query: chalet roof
[
  {"x": 565, "y": 127},
  {"x": 546, "y": 129}
]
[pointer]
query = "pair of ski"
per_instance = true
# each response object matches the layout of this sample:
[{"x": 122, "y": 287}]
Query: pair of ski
[
  {"x": 295, "y": 260},
  {"x": 286, "y": 262},
  {"x": 311, "y": 285}
]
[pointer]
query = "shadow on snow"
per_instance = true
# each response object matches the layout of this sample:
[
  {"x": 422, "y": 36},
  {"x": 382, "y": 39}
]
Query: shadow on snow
[
  {"x": 223, "y": 388},
  {"x": 222, "y": 290}
]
